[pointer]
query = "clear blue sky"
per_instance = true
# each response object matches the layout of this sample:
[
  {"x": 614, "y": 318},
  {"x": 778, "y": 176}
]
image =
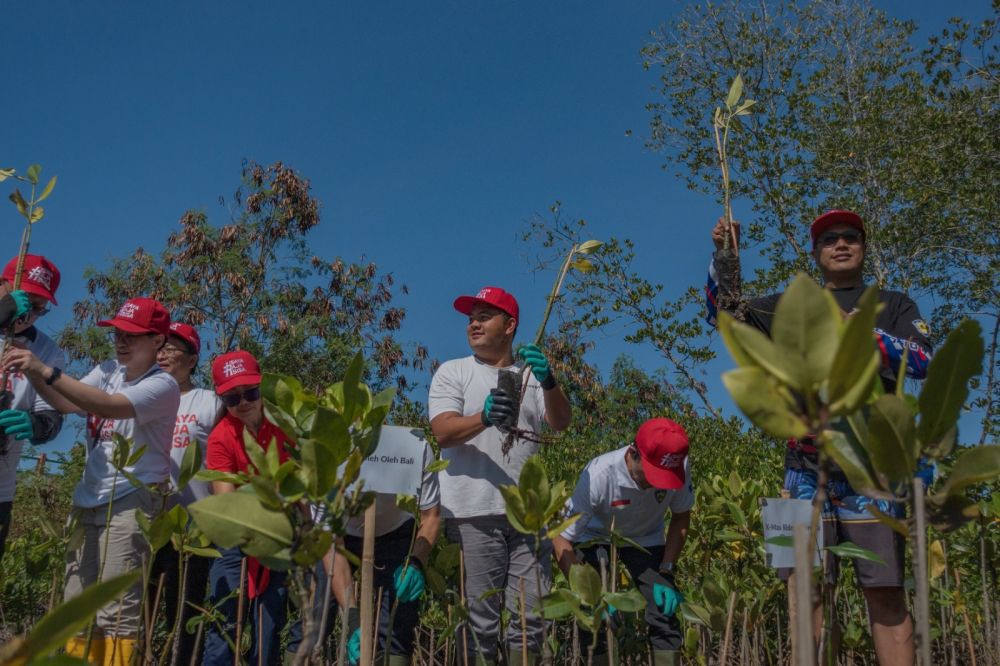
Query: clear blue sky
[{"x": 431, "y": 132}]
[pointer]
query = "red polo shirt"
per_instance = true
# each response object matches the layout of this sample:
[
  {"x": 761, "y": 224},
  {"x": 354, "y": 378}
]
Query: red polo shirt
[{"x": 225, "y": 451}]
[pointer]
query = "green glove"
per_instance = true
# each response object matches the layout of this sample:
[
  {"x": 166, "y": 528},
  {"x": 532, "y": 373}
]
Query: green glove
[
  {"x": 498, "y": 408},
  {"x": 16, "y": 423},
  {"x": 409, "y": 582},
  {"x": 23, "y": 302},
  {"x": 667, "y": 598},
  {"x": 354, "y": 646},
  {"x": 535, "y": 359}
]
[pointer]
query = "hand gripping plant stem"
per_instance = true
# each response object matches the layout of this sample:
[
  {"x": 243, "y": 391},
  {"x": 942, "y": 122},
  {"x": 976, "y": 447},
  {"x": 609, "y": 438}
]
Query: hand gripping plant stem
[
  {"x": 32, "y": 213},
  {"x": 575, "y": 258}
]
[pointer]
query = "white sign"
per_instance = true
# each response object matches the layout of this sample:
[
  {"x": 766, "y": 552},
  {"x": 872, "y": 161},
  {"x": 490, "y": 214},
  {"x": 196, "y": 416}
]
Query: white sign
[
  {"x": 396, "y": 466},
  {"x": 780, "y": 516}
]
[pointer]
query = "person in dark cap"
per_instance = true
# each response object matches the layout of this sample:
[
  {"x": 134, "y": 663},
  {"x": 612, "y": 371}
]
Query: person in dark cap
[
  {"x": 24, "y": 414},
  {"x": 630, "y": 490},
  {"x": 473, "y": 421},
  {"x": 838, "y": 247}
]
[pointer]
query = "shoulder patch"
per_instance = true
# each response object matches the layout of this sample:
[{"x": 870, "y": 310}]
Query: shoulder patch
[{"x": 922, "y": 327}]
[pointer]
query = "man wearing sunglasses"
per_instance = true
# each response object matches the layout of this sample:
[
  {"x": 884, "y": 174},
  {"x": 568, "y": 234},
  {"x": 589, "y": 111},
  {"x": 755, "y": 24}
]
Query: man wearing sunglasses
[
  {"x": 25, "y": 415},
  {"x": 237, "y": 383},
  {"x": 838, "y": 240}
]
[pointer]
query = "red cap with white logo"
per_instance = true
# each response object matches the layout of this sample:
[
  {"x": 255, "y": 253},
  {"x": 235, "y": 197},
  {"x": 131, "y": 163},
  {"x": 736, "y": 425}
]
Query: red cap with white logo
[
  {"x": 232, "y": 369},
  {"x": 139, "y": 316},
  {"x": 494, "y": 297},
  {"x": 39, "y": 276},
  {"x": 187, "y": 333},
  {"x": 663, "y": 447}
]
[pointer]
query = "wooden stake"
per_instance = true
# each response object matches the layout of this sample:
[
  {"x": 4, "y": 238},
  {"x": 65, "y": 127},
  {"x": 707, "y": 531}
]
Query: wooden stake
[
  {"x": 920, "y": 573},
  {"x": 804, "y": 548},
  {"x": 239, "y": 612},
  {"x": 367, "y": 585}
]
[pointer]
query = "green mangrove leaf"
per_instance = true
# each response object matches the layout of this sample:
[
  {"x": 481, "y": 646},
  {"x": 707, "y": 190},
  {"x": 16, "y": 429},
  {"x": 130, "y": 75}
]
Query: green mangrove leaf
[
  {"x": 806, "y": 328},
  {"x": 761, "y": 399},
  {"x": 946, "y": 388},
  {"x": 586, "y": 582},
  {"x": 978, "y": 464},
  {"x": 892, "y": 439}
]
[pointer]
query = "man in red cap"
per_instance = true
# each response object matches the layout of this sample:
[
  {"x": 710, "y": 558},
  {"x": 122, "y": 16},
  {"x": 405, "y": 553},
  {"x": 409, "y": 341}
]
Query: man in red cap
[
  {"x": 838, "y": 247},
  {"x": 237, "y": 382},
  {"x": 25, "y": 416},
  {"x": 472, "y": 420},
  {"x": 200, "y": 410},
  {"x": 130, "y": 397},
  {"x": 631, "y": 490}
]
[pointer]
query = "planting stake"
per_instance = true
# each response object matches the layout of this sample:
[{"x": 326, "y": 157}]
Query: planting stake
[
  {"x": 920, "y": 571},
  {"x": 803, "y": 649},
  {"x": 367, "y": 583}
]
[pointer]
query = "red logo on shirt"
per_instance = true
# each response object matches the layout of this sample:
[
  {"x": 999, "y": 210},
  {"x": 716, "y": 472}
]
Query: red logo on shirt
[{"x": 621, "y": 502}]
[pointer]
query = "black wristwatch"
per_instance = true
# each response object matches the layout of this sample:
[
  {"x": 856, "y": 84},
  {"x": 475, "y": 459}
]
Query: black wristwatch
[{"x": 56, "y": 374}]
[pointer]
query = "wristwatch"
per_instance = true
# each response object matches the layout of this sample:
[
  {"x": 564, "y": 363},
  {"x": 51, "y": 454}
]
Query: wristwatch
[
  {"x": 667, "y": 568},
  {"x": 53, "y": 376}
]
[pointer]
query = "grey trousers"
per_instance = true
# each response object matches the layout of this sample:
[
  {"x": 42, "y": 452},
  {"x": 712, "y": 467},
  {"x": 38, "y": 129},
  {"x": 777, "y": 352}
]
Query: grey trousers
[
  {"x": 498, "y": 557},
  {"x": 126, "y": 550}
]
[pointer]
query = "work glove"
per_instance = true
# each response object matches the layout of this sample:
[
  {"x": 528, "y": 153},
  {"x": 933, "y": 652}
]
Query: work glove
[
  {"x": 354, "y": 646},
  {"x": 16, "y": 423},
  {"x": 535, "y": 359},
  {"x": 666, "y": 597},
  {"x": 499, "y": 407},
  {"x": 409, "y": 582},
  {"x": 354, "y": 635}
]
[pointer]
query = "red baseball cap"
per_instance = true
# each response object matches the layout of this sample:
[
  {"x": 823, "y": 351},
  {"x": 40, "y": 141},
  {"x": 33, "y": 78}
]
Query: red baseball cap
[
  {"x": 140, "y": 315},
  {"x": 39, "y": 276},
  {"x": 187, "y": 333},
  {"x": 236, "y": 368},
  {"x": 832, "y": 217},
  {"x": 492, "y": 296},
  {"x": 663, "y": 447}
]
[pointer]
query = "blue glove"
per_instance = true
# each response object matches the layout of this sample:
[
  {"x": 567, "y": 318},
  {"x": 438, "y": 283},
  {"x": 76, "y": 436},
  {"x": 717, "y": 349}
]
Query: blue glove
[
  {"x": 354, "y": 646},
  {"x": 409, "y": 583},
  {"x": 16, "y": 423},
  {"x": 535, "y": 359},
  {"x": 667, "y": 598},
  {"x": 926, "y": 470},
  {"x": 23, "y": 302},
  {"x": 498, "y": 409}
]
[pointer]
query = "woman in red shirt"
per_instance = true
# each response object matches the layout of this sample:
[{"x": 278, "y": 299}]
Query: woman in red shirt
[{"x": 237, "y": 382}]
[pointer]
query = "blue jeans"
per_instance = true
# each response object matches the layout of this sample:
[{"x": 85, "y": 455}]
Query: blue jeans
[{"x": 266, "y": 613}]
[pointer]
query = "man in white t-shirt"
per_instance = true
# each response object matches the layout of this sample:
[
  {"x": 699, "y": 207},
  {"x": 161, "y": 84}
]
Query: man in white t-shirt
[
  {"x": 25, "y": 416},
  {"x": 199, "y": 411},
  {"x": 473, "y": 421},
  {"x": 131, "y": 397},
  {"x": 630, "y": 490}
]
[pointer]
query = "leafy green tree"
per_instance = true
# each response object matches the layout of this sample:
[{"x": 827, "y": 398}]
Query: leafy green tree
[
  {"x": 848, "y": 114},
  {"x": 254, "y": 283}
]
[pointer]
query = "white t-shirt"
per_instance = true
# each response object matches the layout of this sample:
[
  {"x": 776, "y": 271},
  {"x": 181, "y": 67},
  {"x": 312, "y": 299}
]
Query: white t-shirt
[
  {"x": 26, "y": 399},
  {"x": 388, "y": 516},
  {"x": 155, "y": 397},
  {"x": 200, "y": 410},
  {"x": 470, "y": 486},
  {"x": 607, "y": 491}
]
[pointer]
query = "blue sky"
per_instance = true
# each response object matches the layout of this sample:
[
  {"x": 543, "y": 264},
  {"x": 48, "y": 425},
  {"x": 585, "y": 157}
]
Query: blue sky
[{"x": 431, "y": 133}]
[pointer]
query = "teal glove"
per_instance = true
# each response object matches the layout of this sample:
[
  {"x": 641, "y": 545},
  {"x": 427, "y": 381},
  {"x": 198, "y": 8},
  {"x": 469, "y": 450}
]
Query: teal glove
[
  {"x": 23, "y": 302},
  {"x": 667, "y": 598},
  {"x": 409, "y": 583},
  {"x": 354, "y": 646},
  {"x": 535, "y": 359},
  {"x": 498, "y": 409},
  {"x": 16, "y": 423}
]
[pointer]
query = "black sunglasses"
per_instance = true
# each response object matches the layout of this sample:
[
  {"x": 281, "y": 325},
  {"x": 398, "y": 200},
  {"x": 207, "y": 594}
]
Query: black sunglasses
[
  {"x": 830, "y": 238},
  {"x": 233, "y": 399}
]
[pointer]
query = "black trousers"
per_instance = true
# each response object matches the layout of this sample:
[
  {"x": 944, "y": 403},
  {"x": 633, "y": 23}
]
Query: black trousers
[
  {"x": 167, "y": 562},
  {"x": 664, "y": 632}
]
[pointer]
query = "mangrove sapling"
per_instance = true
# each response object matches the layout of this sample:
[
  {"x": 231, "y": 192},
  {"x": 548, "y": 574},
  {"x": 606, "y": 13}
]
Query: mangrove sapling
[
  {"x": 32, "y": 212},
  {"x": 727, "y": 259},
  {"x": 576, "y": 259}
]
